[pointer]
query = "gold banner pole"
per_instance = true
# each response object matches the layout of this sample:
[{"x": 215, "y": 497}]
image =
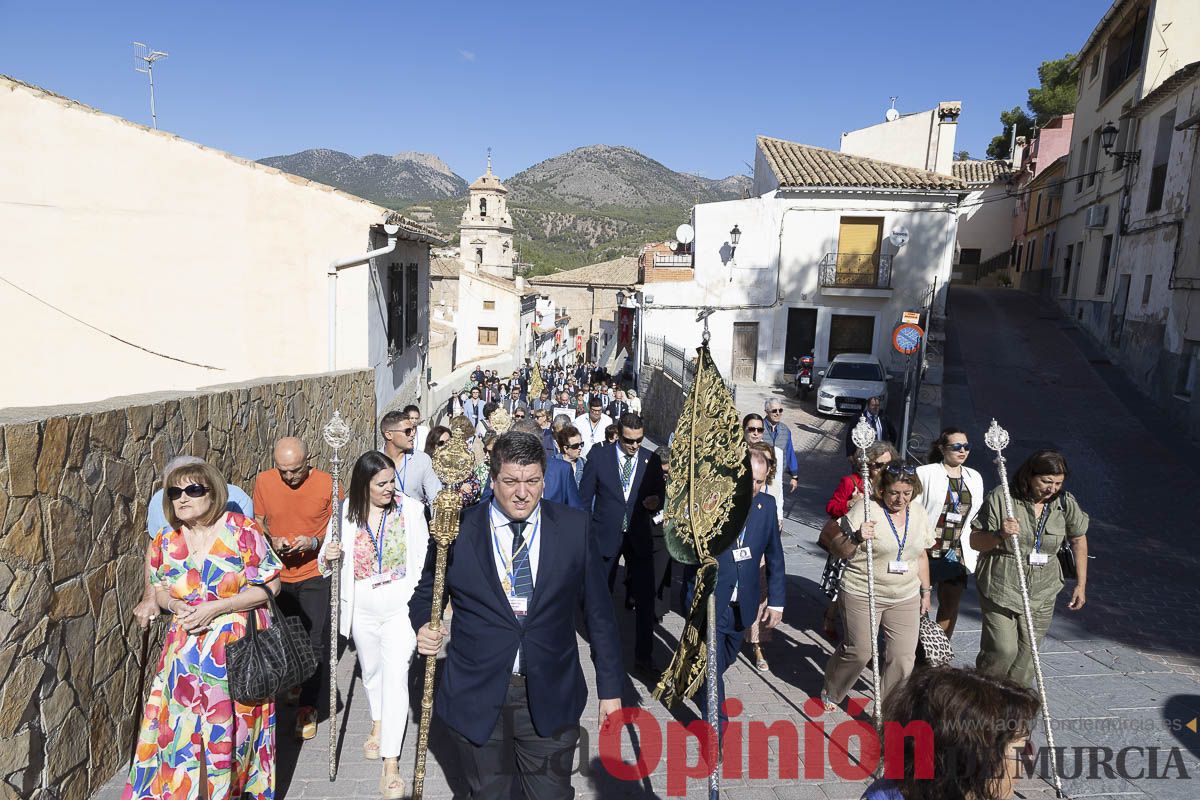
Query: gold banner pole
[{"x": 453, "y": 465}]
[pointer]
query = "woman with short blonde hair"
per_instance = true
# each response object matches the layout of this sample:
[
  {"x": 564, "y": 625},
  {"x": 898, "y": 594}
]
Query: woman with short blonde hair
[{"x": 901, "y": 567}]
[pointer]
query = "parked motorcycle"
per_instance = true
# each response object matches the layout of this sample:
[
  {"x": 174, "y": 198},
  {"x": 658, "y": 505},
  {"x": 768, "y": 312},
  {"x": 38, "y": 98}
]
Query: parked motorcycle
[{"x": 803, "y": 367}]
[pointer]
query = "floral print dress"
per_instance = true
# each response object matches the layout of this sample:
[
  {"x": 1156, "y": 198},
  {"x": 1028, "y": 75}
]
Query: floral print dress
[{"x": 189, "y": 718}]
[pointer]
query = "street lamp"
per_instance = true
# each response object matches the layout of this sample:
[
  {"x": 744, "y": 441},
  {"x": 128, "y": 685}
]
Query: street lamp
[
  {"x": 735, "y": 236},
  {"x": 1108, "y": 139}
]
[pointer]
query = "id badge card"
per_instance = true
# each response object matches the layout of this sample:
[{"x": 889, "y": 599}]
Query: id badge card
[
  {"x": 898, "y": 567},
  {"x": 384, "y": 578},
  {"x": 953, "y": 517},
  {"x": 741, "y": 553},
  {"x": 1039, "y": 559},
  {"x": 519, "y": 605}
]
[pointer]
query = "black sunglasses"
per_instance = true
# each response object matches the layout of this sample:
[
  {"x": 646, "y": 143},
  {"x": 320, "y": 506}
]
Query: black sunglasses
[
  {"x": 191, "y": 490},
  {"x": 755, "y": 430},
  {"x": 900, "y": 469},
  {"x": 633, "y": 441},
  {"x": 774, "y": 410},
  {"x": 575, "y": 446},
  {"x": 959, "y": 447}
]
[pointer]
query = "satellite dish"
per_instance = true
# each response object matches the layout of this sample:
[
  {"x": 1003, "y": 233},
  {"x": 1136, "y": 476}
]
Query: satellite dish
[
  {"x": 891, "y": 115},
  {"x": 685, "y": 234}
]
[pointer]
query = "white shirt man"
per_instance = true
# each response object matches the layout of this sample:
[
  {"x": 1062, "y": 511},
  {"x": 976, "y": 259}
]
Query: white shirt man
[{"x": 592, "y": 425}]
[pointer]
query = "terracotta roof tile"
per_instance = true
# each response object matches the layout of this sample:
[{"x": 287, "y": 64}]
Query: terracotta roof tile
[
  {"x": 980, "y": 172},
  {"x": 799, "y": 165},
  {"x": 619, "y": 272}
]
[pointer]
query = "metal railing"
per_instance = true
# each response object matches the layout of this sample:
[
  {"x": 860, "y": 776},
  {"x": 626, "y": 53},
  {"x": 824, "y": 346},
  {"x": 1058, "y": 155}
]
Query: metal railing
[
  {"x": 664, "y": 260},
  {"x": 677, "y": 362},
  {"x": 856, "y": 270}
]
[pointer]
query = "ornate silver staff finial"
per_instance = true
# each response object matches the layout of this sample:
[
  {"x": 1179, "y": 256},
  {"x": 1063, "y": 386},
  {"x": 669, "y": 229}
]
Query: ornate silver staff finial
[
  {"x": 996, "y": 437},
  {"x": 337, "y": 435},
  {"x": 863, "y": 435},
  {"x": 336, "y": 432}
]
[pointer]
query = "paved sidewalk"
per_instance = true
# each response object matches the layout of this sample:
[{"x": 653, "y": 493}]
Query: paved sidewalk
[{"x": 1103, "y": 692}]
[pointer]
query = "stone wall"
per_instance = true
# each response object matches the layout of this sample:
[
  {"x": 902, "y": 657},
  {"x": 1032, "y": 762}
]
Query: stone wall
[{"x": 74, "y": 486}]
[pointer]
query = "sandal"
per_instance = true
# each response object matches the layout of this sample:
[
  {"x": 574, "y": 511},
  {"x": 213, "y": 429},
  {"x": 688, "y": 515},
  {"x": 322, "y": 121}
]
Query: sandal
[
  {"x": 371, "y": 748},
  {"x": 760, "y": 661},
  {"x": 829, "y": 704},
  {"x": 391, "y": 786}
]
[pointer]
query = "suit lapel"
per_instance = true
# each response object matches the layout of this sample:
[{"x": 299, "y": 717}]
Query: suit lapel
[
  {"x": 642, "y": 460},
  {"x": 484, "y": 546},
  {"x": 548, "y": 558}
]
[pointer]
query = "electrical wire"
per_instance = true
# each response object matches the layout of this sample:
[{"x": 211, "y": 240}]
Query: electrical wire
[
  {"x": 1008, "y": 195},
  {"x": 106, "y": 333}
]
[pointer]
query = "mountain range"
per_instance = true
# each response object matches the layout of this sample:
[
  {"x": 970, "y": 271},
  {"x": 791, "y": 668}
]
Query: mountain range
[{"x": 589, "y": 204}]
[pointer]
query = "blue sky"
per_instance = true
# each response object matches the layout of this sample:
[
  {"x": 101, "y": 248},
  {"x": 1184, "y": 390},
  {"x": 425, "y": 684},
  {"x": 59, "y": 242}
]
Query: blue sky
[{"x": 689, "y": 84}]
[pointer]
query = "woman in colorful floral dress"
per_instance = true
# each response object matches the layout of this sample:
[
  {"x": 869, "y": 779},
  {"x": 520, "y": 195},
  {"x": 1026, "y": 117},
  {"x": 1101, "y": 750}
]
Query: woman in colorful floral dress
[
  {"x": 384, "y": 540},
  {"x": 211, "y": 568}
]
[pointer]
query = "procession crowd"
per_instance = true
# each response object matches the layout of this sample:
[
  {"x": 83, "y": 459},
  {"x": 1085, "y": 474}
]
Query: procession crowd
[{"x": 562, "y": 493}]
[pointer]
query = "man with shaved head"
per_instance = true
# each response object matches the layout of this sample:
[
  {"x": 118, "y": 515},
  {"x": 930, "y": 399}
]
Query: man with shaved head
[{"x": 294, "y": 502}]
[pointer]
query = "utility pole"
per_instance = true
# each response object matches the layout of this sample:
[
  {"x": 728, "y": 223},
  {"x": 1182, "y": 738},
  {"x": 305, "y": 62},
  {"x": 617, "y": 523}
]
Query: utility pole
[{"x": 143, "y": 61}]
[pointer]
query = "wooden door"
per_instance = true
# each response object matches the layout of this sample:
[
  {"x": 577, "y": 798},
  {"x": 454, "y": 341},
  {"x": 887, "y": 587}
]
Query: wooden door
[
  {"x": 745, "y": 350},
  {"x": 859, "y": 242}
]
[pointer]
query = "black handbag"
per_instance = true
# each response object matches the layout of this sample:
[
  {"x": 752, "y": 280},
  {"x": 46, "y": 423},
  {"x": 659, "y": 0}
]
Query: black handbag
[
  {"x": 1066, "y": 561},
  {"x": 264, "y": 662}
]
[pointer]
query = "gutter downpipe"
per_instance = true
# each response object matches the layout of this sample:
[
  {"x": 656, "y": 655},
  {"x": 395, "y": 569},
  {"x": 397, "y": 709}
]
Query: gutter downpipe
[{"x": 392, "y": 232}]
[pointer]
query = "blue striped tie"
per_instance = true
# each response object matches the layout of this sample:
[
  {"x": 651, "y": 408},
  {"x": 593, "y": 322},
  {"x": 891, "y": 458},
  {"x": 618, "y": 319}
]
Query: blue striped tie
[{"x": 522, "y": 576}]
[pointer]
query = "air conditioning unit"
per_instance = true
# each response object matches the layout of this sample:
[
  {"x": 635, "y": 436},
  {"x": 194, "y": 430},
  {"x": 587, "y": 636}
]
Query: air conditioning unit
[{"x": 1097, "y": 216}]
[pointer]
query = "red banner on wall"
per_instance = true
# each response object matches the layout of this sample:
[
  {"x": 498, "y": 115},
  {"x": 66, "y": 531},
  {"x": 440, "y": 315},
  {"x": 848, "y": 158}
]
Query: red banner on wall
[{"x": 625, "y": 329}]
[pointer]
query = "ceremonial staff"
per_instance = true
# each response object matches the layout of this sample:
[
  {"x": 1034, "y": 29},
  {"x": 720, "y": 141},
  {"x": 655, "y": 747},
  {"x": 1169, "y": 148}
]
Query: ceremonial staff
[
  {"x": 337, "y": 435},
  {"x": 452, "y": 464},
  {"x": 863, "y": 437},
  {"x": 996, "y": 439}
]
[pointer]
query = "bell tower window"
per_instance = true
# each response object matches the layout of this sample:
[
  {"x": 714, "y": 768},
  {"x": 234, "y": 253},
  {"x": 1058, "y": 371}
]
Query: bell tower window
[
  {"x": 478, "y": 255},
  {"x": 483, "y": 206}
]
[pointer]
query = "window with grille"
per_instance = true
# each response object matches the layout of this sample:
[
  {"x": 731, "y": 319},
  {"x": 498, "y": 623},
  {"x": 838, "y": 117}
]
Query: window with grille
[
  {"x": 1124, "y": 55},
  {"x": 412, "y": 304},
  {"x": 395, "y": 308}
]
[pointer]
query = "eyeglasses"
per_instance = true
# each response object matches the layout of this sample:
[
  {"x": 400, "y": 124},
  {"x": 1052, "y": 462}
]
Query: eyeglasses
[
  {"x": 900, "y": 469},
  {"x": 759, "y": 429},
  {"x": 573, "y": 446},
  {"x": 959, "y": 447},
  {"x": 519, "y": 415},
  {"x": 774, "y": 410},
  {"x": 405, "y": 431},
  {"x": 638, "y": 440},
  {"x": 879, "y": 464},
  {"x": 191, "y": 490}
]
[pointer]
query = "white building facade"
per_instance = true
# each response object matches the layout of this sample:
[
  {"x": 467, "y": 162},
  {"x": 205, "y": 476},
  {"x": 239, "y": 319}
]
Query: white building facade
[
  {"x": 814, "y": 268},
  {"x": 137, "y": 262}
]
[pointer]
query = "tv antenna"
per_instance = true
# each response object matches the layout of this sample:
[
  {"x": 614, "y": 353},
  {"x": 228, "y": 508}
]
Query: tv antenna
[{"x": 143, "y": 61}]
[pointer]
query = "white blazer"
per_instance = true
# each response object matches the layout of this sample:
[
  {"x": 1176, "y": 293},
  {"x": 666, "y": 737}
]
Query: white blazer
[
  {"x": 934, "y": 484},
  {"x": 417, "y": 532}
]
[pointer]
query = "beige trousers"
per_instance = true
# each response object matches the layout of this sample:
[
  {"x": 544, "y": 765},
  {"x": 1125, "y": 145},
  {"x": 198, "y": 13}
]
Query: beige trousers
[{"x": 900, "y": 623}]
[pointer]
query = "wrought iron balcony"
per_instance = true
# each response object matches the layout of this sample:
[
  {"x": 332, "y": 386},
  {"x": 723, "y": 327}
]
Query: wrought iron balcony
[
  {"x": 664, "y": 260},
  {"x": 856, "y": 271}
]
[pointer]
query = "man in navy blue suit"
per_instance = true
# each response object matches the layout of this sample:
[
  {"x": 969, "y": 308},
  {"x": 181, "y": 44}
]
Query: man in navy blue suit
[
  {"x": 737, "y": 587},
  {"x": 513, "y": 691},
  {"x": 623, "y": 487}
]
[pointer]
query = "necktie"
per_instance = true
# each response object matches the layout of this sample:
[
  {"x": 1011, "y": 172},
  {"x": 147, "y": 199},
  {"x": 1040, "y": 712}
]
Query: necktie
[
  {"x": 626, "y": 477},
  {"x": 522, "y": 575}
]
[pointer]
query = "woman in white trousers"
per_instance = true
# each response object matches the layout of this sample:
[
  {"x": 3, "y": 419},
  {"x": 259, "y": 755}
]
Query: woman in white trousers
[{"x": 384, "y": 541}]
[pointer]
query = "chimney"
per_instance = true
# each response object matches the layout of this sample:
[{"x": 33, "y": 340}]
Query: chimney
[{"x": 947, "y": 130}]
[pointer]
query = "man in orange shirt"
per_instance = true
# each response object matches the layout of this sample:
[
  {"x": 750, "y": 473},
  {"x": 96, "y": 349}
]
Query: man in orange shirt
[{"x": 294, "y": 502}]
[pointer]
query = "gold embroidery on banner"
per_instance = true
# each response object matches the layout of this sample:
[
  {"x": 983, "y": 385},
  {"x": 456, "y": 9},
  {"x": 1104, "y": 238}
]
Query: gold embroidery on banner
[{"x": 708, "y": 498}]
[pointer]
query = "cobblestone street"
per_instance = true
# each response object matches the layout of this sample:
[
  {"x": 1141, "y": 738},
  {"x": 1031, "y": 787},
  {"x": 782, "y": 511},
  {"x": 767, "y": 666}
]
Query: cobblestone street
[{"x": 1120, "y": 674}]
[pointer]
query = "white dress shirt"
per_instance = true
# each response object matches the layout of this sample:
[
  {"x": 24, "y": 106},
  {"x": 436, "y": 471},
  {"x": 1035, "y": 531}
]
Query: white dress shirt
[
  {"x": 592, "y": 434},
  {"x": 502, "y": 542}
]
